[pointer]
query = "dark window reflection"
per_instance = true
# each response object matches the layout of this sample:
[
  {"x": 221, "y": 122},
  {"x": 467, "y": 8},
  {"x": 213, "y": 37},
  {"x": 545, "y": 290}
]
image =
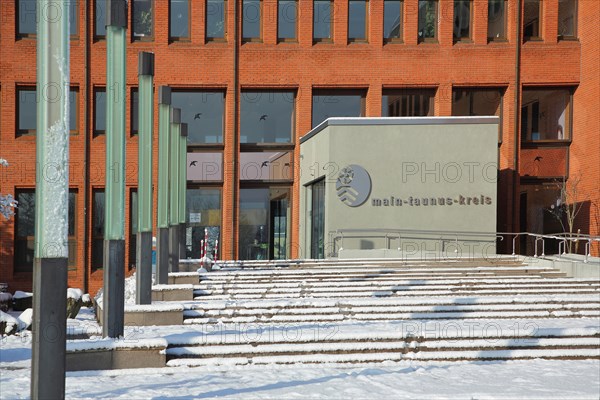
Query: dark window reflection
[
  {"x": 97, "y": 229},
  {"x": 462, "y": 19},
  {"x": 428, "y": 19},
  {"x": 392, "y": 19},
  {"x": 267, "y": 117},
  {"x": 27, "y": 106},
  {"x": 215, "y": 19},
  {"x": 496, "y": 19},
  {"x": 142, "y": 18},
  {"x": 100, "y": 11},
  {"x": 203, "y": 112},
  {"x": 357, "y": 20},
  {"x": 322, "y": 19},
  {"x": 27, "y": 18},
  {"x": 286, "y": 19},
  {"x": 531, "y": 19},
  {"x": 179, "y": 22},
  {"x": 99, "y": 111},
  {"x": 251, "y": 14},
  {"x": 336, "y": 103},
  {"x": 407, "y": 103},
  {"x": 135, "y": 111}
]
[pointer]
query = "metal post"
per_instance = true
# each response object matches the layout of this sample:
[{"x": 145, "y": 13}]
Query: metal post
[
  {"x": 113, "y": 306},
  {"x": 164, "y": 128},
  {"x": 174, "y": 182},
  {"x": 182, "y": 190},
  {"x": 144, "y": 233},
  {"x": 48, "y": 357}
]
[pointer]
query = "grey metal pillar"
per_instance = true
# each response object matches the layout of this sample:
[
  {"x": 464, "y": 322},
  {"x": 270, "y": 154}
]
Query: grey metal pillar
[
  {"x": 144, "y": 225},
  {"x": 164, "y": 128},
  {"x": 174, "y": 191},
  {"x": 48, "y": 358},
  {"x": 113, "y": 306}
]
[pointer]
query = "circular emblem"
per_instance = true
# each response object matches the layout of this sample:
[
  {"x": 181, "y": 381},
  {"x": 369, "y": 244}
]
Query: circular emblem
[{"x": 353, "y": 185}]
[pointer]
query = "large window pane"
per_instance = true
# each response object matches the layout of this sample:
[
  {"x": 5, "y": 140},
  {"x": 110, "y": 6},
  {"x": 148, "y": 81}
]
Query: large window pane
[
  {"x": 567, "y": 18},
  {"x": 264, "y": 227},
  {"x": 135, "y": 111},
  {"x": 142, "y": 19},
  {"x": 478, "y": 102},
  {"x": 267, "y": 117},
  {"x": 99, "y": 111},
  {"x": 251, "y": 19},
  {"x": 317, "y": 220},
  {"x": 97, "y": 229},
  {"x": 336, "y": 103},
  {"x": 203, "y": 217},
  {"x": 100, "y": 14},
  {"x": 179, "y": 24},
  {"x": 357, "y": 20},
  {"x": 205, "y": 166},
  {"x": 497, "y": 19},
  {"x": 428, "y": 20},
  {"x": 133, "y": 226},
  {"x": 392, "y": 20},
  {"x": 26, "y": 17},
  {"x": 546, "y": 114},
  {"x": 267, "y": 165},
  {"x": 322, "y": 20},
  {"x": 408, "y": 103},
  {"x": 287, "y": 17},
  {"x": 532, "y": 21},
  {"x": 203, "y": 112},
  {"x": 215, "y": 19},
  {"x": 462, "y": 20},
  {"x": 27, "y": 109}
]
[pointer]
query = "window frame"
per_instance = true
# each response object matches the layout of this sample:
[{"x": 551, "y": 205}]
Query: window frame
[
  {"x": 469, "y": 37},
  {"x": 258, "y": 39},
  {"x": 188, "y": 38},
  {"x": 399, "y": 39},
  {"x": 366, "y": 38},
  {"x": 504, "y": 37},
  {"x": 568, "y": 138},
  {"x": 98, "y": 37},
  {"x": 72, "y": 36},
  {"x": 575, "y": 25},
  {"x": 132, "y": 254},
  {"x": 144, "y": 38},
  {"x": 540, "y": 36},
  {"x": 93, "y": 236},
  {"x": 133, "y": 132},
  {"x": 95, "y": 132},
  {"x": 295, "y": 38},
  {"x": 330, "y": 38},
  {"x": 362, "y": 92},
  {"x": 390, "y": 91},
  {"x": 434, "y": 39},
  {"x": 471, "y": 89},
  {"x": 33, "y": 132},
  {"x": 17, "y": 266},
  {"x": 276, "y": 145},
  {"x": 207, "y": 38}
]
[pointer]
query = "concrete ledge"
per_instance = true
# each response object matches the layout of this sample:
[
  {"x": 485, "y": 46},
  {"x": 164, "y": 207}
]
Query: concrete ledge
[
  {"x": 172, "y": 292},
  {"x": 184, "y": 278},
  {"x": 571, "y": 264},
  {"x": 114, "y": 357},
  {"x": 149, "y": 315}
]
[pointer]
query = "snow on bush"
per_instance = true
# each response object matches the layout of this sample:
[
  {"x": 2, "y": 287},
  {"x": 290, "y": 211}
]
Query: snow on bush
[
  {"x": 129, "y": 292},
  {"x": 7, "y": 202},
  {"x": 74, "y": 294},
  {"x": 9, "y": 323}
]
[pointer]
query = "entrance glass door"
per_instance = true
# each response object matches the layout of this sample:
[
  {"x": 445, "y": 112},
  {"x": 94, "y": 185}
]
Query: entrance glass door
[
  {"x": 317, "y": 220},
  {"x": 264, "y": 228}
]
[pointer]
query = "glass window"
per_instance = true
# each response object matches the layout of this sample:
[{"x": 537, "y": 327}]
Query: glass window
[
  {"x": 546, "y": 114},
  {"x": 251, "y": 29},
  {"x": 567, "y": 18},
  {"x": 203, "y": 112},
  {"x": 532, "y": 21},
  {"x": 357, "y": 20},
  {"x": 392, "y": 20},
  {"x": 408, "y": 103},
  {"x": 497, "y": 19},
  {"x": 268, "y": 165},
  {"x": 135, "y": 111},
  {"x": 27, "y": 17},
  {"x": 133, "y": 219},
  {"x": 97, "y": 229},
  {"x": 264, "y": 227},
  {"x": 287, "y": 19},
  {"x": 100, "y": 14},
  {"x": 179, "y": 24},
  {"x": 267, "y": 117},
  {"x": 317, "y": 220},
  {"x": 462, "y": 20},
  {"x": 428, "y": 20},
  {"x": 27, "y": 109},
  {"x": 322, "y": 17},
  {"x": 203, "y": 219},
  {"x": 142, "y": 19},
  {"x": 478, "y": 101},
  {"x": 215, "y": 19},
  {"x": 99, "y": 111},
  {"x": 336, "y": 103},
  {"x": 205, "y": 166},
  {"x": 25, "y": 230}
]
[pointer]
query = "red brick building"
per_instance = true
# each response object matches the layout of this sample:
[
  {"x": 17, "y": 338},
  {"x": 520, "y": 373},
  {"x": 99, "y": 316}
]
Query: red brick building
[{"x": 253, "y": 76}]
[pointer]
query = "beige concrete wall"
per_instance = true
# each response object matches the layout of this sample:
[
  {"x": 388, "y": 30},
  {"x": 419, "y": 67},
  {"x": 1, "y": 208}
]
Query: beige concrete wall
[{"x": 412, "y": 158}]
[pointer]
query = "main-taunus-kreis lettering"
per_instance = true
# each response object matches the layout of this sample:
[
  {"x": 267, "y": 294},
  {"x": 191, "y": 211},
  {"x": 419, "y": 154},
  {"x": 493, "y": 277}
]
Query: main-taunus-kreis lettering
[{"x": 413, "y": 201}]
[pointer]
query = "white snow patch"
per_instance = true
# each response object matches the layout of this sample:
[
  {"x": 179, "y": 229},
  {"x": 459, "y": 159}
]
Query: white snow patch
[
  {"x": 75, "y": 294},
  {"x": 22, "y": 295}
]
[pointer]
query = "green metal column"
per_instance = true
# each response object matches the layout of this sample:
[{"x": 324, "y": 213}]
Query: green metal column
[
  {"x": 182, "y": 190},
  {"x": 113, "y": 305},
  {"x": 144, "y": 233},
  {"x": 164, "y": 132},
  {"x": 174, "y": 191},
  {"x": 48, "y": 357}
]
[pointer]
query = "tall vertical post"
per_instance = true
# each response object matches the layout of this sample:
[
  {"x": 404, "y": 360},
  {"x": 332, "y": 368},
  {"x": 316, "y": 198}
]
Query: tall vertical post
[
  {"x": 113, "y": 306},
  {"x": 143, "y": 294},
  {"x": 48, "y": 358},
  {"x": 182, "y": 190},
  {"x": 164, "y": 129},
  {"x": 174, "y": 182}
]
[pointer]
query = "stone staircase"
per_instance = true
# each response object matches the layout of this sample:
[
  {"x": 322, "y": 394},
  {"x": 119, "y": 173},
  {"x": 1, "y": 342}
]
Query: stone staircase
[{"x": 378, "y": 311}]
